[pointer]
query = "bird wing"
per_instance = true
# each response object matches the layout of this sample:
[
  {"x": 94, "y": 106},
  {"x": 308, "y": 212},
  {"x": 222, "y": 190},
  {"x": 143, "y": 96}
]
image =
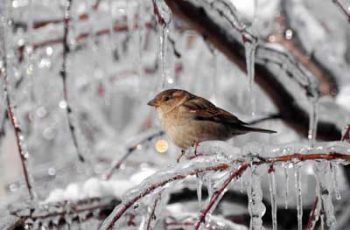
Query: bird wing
[{"x": 205, "y": 110}]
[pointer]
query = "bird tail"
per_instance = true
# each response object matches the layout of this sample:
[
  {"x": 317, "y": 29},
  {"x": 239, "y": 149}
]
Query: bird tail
[{"x": 258, "y": 130}]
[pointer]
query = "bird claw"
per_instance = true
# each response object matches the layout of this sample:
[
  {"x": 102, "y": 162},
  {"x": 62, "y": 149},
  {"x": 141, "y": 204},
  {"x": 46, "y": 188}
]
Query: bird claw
[
  {"x": 196, "y": 144},
  {"x": 180, "y": 156}
]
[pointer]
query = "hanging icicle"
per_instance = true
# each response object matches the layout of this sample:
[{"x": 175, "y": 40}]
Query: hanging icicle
[
  {"x": 256, "y": 206},
  {"x": 298, "y": 192},
  {"x": 272, "y": 183}
]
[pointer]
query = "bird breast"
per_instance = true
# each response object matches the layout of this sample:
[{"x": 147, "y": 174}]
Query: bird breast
[{"x": 185, "y": 131}]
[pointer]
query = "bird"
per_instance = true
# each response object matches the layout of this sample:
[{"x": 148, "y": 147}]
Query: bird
[{"x": 188, "y": 120}]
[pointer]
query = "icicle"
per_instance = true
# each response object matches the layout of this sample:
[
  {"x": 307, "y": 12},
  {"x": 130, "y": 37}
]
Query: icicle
[
  {"x": 163, "y": 43},
  {"x": 250, "y": 50},
  {"x": 313, "y": 122},
  {"x": 286, "y": 187},
  {"x": 242, "y": 184},
  {"x": 322, "y": 222},
  {"x": 299, "y": 196},
  {"x": 335, "y": 168},
  {"x": 140, "y": 40},
  {"x": 199, "y": 191},
  {"x": 256, "y": 206},
  {"x": 210, "y": 187},
  {"x": 272, "y": 182},
  {"x": 324, "y": 190}
]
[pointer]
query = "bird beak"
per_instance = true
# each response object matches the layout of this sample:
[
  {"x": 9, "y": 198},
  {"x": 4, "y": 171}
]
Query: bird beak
[{"x": 153, "y": 103}]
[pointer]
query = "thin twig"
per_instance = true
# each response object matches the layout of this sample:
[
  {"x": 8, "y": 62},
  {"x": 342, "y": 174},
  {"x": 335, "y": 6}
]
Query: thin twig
[
  {"x": 121, "y": 209},
  {"x": 152, "y": 214},
  {"x": 160, "y": 19},
  {"x": 129, "y": 152},
  {"x": 14, "y": 121},
  {"x": 218, "y": 193},
  {"x": 118, "y": 27},
  {"x": 62, "y": 209},
  {"x": 346, "y": 134},
  {"x": 312, "y": 214},
  {"x": 64, "y": 80},
  {"x": 342, "y": 8}
]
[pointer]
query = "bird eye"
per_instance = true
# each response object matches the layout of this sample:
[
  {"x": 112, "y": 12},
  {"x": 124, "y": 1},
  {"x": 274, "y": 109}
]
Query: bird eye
[{"x": 166, "y": 98}]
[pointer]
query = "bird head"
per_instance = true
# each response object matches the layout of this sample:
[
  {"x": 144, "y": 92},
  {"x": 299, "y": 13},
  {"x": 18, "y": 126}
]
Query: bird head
[{"x": 169, "y": 99}]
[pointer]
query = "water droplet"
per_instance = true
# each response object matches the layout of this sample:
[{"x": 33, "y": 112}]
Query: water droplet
[
  {"x": 49, "y": 51},
  {"x": 289, "y": 34},
  {"x": 49, "y": 133},
  {"x": 44, "y": 63},
  {"x": 63, "y": 104},
  {"x": 51, "y": 171},
  {"x": 41, "y": 112}
]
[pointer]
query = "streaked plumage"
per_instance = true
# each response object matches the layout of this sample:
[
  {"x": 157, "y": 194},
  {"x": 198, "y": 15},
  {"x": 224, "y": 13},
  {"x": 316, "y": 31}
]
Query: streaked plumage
[{"x": 188, "y": 119}]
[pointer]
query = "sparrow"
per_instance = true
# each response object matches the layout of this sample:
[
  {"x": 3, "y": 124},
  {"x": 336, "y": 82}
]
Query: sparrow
[{"x": 188, "y": 120}]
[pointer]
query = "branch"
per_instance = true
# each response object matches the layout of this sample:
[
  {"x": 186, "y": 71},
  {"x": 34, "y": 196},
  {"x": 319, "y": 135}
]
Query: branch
[
  {"x": 152, "y": 214},
  {"x": 293, "y": 43},
  {"x": 346, "y": 134},
  {"x": 121, "y": 209},
  {"x": 218, "y": 193},
  {"x": 342, "y": 8},
  {"x": 149, "y": 185},
  {"x": 63, "y": 73},
  {"x": 50, "y": 211},
  {"x": 23, "y": 154},
  {"x": 312, "y": 214},
  {"x": 129, "y": 152},
  {"x": 117, "y": 27}
]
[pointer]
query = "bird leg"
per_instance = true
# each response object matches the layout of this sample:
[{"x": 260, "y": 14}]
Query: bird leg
[
  {"x": 196, "y": 144},
  {"x": 180, "y": 156}
]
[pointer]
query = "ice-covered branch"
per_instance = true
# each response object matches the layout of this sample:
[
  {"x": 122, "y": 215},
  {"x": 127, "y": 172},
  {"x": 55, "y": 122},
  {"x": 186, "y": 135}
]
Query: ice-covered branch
[
  {"x": 149, "y": 186},
  {"x": 344, "y": 10},
  {"x": 290, "y": 39},
  {"x": 146, "y": 137},
  {"x": 346, "y": 134},
  {"x": 214, "y": 199},
  {"x": 119, "y": 26},
  {"x": 23, "y": 152},
  {"x": 68, "y": 107},
  {"x": 206, "y": 164},
  {"x": 61, "y": 213},
  {"x": 277, "y": 72}
]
